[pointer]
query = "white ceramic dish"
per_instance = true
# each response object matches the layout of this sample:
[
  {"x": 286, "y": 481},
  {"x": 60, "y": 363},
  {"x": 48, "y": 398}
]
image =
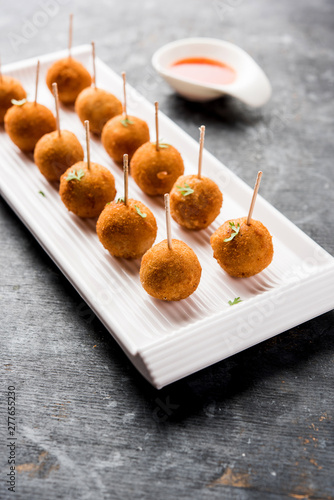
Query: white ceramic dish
[
  {"x": 250, "y": 86},
  {"x": 167, "y": 341}
]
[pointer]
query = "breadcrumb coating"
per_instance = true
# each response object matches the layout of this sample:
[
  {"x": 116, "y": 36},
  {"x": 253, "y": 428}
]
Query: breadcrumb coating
[
  {"x": 248, "y": 253},
  {"x": 10, "y": 88},
  {"x": 97, "y": 106},
  {"x": 124, "y": 138},
  {"x": 87, "y": 197},
  {"x": 170, "y": 274},
  {"x": 70, "y": 76},
  {"x": 198, "y": 209},
  {"x": 26, "y": 124},
  {"x": 54, "y": 154},
  {"x": 156, "y": 171},
  {"x": 124, "y": 232}
]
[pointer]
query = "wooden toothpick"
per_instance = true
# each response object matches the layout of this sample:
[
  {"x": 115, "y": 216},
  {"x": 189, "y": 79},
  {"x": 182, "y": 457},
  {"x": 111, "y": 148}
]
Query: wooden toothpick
[
  {"x": 87, "y": 143},
  {"x": 201, "y": 145},
  {"x": 94, "y": 69},
  {"x": 126, "y": 177},
  {"x": 37, "y": 76},
  {"x": 168, "y": 221},
  {"x": 157, "y": 147},
  {"x": 256, "y": 188},
  {"x": 124, "y": 94},
  {"x": 55, "y": 94},
  {"x": 70, "y": 36}
]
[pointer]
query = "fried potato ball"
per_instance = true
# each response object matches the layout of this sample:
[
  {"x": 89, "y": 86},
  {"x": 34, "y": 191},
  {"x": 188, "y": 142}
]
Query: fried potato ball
[
  {"x": 54, "y": 154},
  {"x": 126, "y": 230},
  {"x": 86, "y": 191},
  {"x": 27, "y": 123},
  {"x": 10, "y": 88},
  {"x": 121, "y": 136},
  {"x": 170, "y": 274},
  {"x": 194, "y": 202},
  {"x": 156, "y": 171},
  {"x": 98, "y": 106},
  {"x": 248, "y": 253},
  {"x": 70, "y": 76}
]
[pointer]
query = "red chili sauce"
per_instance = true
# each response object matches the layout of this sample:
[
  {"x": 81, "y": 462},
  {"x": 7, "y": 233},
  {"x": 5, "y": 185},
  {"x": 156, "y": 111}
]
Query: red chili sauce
[{"x": 203, "y": 69}]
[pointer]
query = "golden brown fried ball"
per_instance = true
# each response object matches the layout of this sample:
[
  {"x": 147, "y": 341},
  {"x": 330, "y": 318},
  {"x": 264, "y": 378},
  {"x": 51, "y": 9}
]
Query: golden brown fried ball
[
  {"x": 248, "y": 253},
  {"x": 26, "y": 124},
  {"x": 126, "y": 230},
  {"x": 54, "y": 154},
  {"x": 197, "y": 209},
  {"x": 87, "y": 197},
  {"x": 121, "y": 136},
  {"x": 10, "y": 88},
  {"x": 170, "y": 274},
  {"x": 98, "y": 106},
  {"x": 70, "y": 76},
  {"x": 156, "y": 171}
]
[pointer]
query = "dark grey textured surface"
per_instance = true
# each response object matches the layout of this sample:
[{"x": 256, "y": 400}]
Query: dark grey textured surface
[{"x": 255, "y": 426}]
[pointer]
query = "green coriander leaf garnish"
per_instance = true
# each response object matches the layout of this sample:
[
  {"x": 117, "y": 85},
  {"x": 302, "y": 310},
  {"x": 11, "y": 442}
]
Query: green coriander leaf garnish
[
  {"x": 125, "y": 122},
  {"x": 237, "y": 300},
  {"x": 120, "y": 200},
  {"x": 41, "y": 192},
  {"x": 185, "y": 190},
  {"x": 75, "y": 175},
  {"x": 18, "y": 103},
  {"x": 139, "y": 212},
  {"x": 235, "y": 229}
]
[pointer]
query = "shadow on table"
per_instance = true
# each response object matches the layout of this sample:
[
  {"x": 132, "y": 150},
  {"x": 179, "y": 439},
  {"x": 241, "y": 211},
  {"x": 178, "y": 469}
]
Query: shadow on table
[
  {"x": 224, "y": 110},
  {"x": 283, "y": 356}
]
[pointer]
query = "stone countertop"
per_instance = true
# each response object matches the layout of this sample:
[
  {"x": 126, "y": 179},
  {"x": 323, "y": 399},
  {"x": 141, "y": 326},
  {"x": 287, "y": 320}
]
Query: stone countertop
[{"x": 258, "y": 425}]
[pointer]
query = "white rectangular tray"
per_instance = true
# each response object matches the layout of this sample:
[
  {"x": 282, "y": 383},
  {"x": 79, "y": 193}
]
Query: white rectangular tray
[{"x": 166, "y": 341}]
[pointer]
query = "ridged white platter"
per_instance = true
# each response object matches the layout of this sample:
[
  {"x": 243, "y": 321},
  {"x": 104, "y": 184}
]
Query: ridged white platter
[{"x": 166, "y": 341}]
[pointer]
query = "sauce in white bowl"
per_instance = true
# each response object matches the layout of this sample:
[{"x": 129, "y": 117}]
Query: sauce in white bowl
[{"x": 202, "y": 69}]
